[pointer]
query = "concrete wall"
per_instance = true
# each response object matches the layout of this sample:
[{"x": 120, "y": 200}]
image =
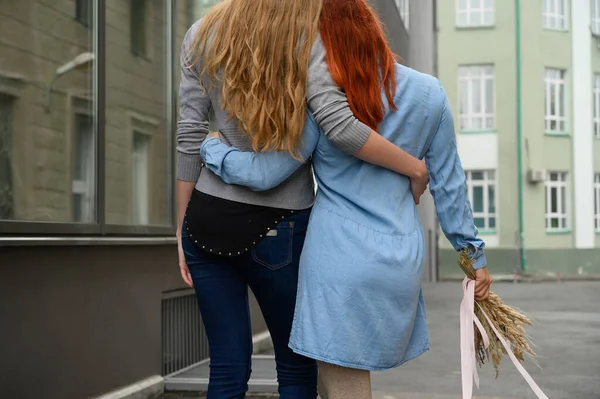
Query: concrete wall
[{"x": 78, "y": 321}]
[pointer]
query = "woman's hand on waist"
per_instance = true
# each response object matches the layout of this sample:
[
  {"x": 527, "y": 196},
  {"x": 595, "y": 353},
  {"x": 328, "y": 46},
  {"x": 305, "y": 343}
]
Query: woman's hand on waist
[{"x": 418, "y": 183}]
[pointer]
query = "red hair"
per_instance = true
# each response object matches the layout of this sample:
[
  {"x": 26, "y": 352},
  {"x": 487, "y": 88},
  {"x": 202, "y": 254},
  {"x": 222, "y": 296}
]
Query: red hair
[{"x": 359, "y": 58}]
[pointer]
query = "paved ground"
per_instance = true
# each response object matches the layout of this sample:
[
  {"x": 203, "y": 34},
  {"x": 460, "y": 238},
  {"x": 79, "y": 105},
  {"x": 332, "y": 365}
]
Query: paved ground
[{"x": 567, "y": 335}]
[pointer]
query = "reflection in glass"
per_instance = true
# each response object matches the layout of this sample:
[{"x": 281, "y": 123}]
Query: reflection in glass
[
  {"x": 6, "y": 180},
  {"x": 138, "y": 155},
  {"x": 47, "y": 139},
  {"x": 84, "y": 182},
  {"x": 140, "y": 179}
]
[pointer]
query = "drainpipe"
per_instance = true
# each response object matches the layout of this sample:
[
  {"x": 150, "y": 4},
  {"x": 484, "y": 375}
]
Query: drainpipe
[{"x": 520, "y": 137}]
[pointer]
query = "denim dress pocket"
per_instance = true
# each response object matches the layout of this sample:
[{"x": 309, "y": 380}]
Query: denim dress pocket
[{"x": 275, "y": 252}]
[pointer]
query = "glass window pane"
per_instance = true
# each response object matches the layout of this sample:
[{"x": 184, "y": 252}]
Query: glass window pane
[
  {"x": 477, "y": 175},
  {"x": 553, "y": 200},
  {"x": 552, "y": 99},
  {"x": 84, "y": 177},
  {"x": 492, "y": 223},
  {"x": 560, "y": 8},
  {"x": 140, "y": 178},
  {"x": 489, "y": 96},
  {"x": 491, "y": 199},
  {"x": 476, "y": 93},
  {"x": 478, "y": 199},
  {"x": 464, "y": 97},
  {"x": 6, "y": 169},
  {"x": 47, "y": 121},
  {"x": 138, "y": 149},
  {"x": 561, "y": 100},
  {"x": 479, "y": 223}
]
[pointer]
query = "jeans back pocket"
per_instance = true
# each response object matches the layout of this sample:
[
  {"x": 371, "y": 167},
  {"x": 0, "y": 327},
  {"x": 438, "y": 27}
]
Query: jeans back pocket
[{"x": 276, "y": 249}]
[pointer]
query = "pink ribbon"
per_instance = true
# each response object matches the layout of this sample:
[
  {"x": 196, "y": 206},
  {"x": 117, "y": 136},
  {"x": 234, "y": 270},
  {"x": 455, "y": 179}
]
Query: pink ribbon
[{"x": 468, "y": 362}]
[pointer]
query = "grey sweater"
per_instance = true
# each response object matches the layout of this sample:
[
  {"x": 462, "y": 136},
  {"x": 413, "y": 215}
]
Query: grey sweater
[{"x": 327, "y": 102}]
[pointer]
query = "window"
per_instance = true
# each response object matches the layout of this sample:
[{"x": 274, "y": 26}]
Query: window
[
  {"x": 6, "y": 179},
  {"x": 63, "y": 170},
  {"x": 83, "y": 12},
  {"x": 596, "y": 17},
  {"x": 140, "y": 179},
  {"x": 404, "y": 10},
  {"x": 138, "y": 28},
  {"x": 475, "y": 12},
  {"x": 481, "y": 186},
  {"x": 84, "y": 183},
  {"x": 477, "y": 97},
  {"x": 556, "y": 120},
  {"x": 555, "y": 14},
  {"x": 597, "y": 106},
  {"x": 597, "y": 201},
  {"x": 557, "y": 201}
]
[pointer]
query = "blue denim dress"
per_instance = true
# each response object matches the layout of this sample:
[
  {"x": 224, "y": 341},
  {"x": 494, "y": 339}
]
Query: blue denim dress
[{"x": 359, "y": 302}]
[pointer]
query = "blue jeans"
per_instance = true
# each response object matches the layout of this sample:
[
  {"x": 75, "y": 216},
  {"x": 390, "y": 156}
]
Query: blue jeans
[{"x": 221, "y": 284}]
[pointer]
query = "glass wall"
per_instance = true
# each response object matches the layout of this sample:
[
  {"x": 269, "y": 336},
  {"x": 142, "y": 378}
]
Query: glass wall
[
  {"x": 138, "y": 146},
  {"x": 86, "y": 114},
  {"x": 47, "y": 123}
]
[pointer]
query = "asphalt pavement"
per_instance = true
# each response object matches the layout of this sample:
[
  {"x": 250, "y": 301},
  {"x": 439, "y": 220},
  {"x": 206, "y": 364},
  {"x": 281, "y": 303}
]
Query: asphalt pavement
[{"x": 566, "y": 334}]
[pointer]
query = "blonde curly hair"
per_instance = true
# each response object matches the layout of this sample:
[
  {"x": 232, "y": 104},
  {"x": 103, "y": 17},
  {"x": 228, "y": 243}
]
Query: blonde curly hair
[{"x": 258, "y": 52}]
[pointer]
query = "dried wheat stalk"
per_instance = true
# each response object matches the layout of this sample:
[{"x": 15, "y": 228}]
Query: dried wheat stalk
[{"x": 508, "y": 321}]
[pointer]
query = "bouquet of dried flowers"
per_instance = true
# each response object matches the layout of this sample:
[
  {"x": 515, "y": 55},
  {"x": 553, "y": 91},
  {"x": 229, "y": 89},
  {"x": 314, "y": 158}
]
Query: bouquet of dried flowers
[{"x": 508, "y": 321}]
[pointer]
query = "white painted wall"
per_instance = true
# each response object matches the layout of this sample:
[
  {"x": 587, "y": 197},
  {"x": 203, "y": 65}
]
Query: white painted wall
[
  {"x": 478, "y": 151},
  {"x": 583, "y": 152}
]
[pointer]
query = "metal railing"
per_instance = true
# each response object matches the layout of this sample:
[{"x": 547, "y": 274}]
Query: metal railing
[{"x": 184, "y": 341}]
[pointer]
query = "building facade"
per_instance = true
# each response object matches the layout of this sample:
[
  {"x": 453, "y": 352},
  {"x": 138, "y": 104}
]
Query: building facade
[
  {"x": 91, "y": 294},
  {"x": 91, "y": 298},
  {"x": 522, "y": 81}
]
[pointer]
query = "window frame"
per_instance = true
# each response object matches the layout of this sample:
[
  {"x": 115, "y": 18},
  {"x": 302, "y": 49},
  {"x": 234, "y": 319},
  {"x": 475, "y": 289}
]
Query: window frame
[
  {"x": 485, "y": 183},
  {"x": 21, "y": 232},
  {"x": 472, "y": 13},
  {"x": 562, "y": 120},
  {"x": 466, "y": 121},
  {"x": 560, "y": 184},
  {"x": 556, "y": 17}
]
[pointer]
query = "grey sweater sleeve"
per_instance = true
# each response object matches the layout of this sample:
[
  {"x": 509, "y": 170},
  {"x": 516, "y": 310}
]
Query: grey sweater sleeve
[
  {"x": 330, "y": 107},
  {"x": 194, "y": 110}
]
